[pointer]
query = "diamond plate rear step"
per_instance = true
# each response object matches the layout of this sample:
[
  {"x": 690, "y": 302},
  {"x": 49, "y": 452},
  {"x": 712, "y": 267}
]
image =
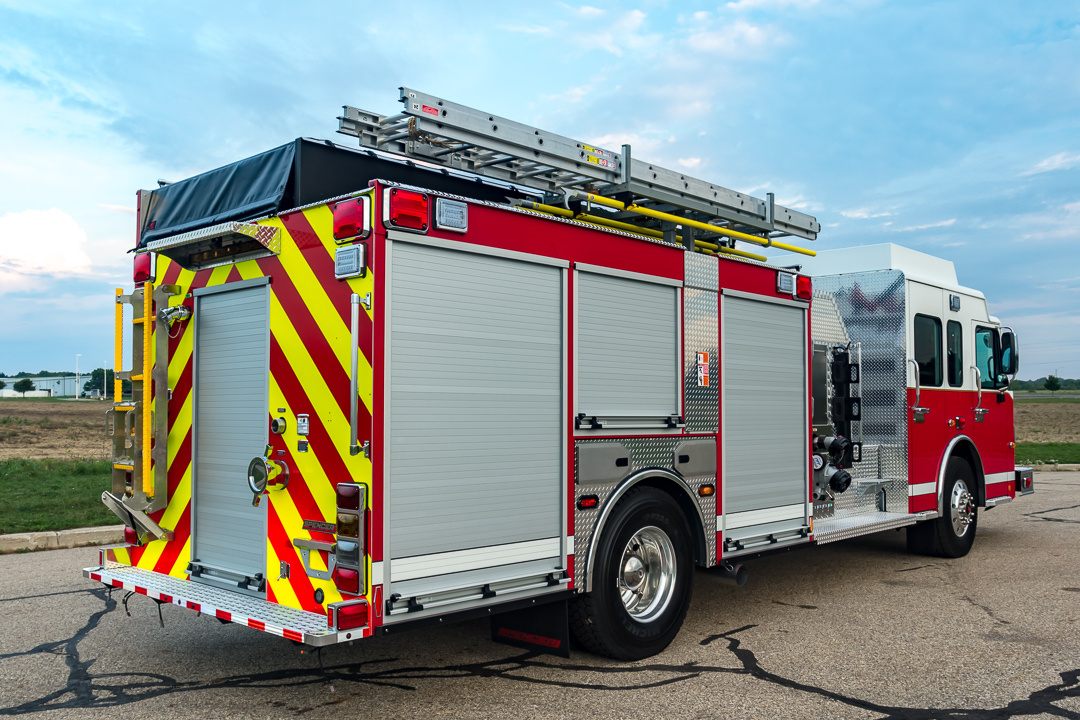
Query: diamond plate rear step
[
  {"x": 844, "y": 528},
  {"x": 299, "y": 625}
]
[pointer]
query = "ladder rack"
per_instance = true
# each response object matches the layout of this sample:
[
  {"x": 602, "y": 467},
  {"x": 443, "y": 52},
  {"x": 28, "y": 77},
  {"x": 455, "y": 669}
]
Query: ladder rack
[{"x": 446, "y": 134}]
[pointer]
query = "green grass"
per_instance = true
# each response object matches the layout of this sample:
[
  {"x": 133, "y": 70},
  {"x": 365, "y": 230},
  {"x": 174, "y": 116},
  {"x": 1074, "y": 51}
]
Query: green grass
[
  {"x": 1047, "y": 453},
  {"x": 53, "y": 494},
  {"x": 1044, "y": 399}
]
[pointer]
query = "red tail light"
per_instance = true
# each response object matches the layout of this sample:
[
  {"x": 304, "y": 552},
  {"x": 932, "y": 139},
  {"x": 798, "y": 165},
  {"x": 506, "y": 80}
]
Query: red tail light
[
  {"x": 348, "y": 496},
  {"x": 352, "y": 218},
  {"x": 408, "y": 209},
  {"x": 586, "y": 502},
  {"x": 347, "y": 581},
  {"x": 131, "y": 537},
  {"x": 352, "y": 615},
  {"x": 143, "y": 267},
  {"x": 804, "y": 287}
]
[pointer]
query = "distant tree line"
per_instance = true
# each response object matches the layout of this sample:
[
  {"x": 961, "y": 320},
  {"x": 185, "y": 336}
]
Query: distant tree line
[{"x": 1050, "y": 382}]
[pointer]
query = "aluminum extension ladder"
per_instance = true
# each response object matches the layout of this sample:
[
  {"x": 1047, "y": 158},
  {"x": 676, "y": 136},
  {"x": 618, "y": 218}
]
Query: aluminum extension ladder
[{"x": 446, "y": 134}]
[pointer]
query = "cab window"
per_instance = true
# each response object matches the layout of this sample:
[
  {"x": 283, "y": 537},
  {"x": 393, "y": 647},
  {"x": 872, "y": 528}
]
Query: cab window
[
  {"x": 928, "y": 350},
  {"x": 954, "y": 353},
  {"x": 986, "y": 358}
]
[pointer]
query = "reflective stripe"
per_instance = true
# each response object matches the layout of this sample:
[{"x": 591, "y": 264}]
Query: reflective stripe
[
  {"x": 925, "y": 488},
  {"x": 992, "y": 478},
  {"x": 474, "y": 559},
  {"x": 759, "y": 517}
]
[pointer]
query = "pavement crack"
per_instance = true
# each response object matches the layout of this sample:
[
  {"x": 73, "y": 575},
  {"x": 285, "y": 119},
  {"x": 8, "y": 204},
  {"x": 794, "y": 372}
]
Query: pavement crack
[{"x": 993, "y": 616}]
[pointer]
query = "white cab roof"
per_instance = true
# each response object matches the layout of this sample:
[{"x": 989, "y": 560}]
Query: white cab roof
[{"x": 915, "y": 265}]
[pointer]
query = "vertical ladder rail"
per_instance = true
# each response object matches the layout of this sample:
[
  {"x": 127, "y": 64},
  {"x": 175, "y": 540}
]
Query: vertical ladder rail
[{"x": 147, "y": 389}]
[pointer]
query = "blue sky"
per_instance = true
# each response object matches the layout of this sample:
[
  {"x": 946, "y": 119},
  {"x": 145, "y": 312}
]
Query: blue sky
[{"x": 949, "y": 127}]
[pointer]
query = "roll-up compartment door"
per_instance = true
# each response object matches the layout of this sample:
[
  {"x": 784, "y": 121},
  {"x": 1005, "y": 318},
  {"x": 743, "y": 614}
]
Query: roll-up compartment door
[
  {"x": 231, "y": 396},
  {"x": 475, "y": 411},
  {"x": 765, "y": 412},
  {"x": 627, "y": 350}
]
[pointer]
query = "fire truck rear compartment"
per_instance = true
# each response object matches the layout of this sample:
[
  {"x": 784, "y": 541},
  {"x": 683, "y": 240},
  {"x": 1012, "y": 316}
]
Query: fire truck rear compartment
[{"x": 475, "y": 417}]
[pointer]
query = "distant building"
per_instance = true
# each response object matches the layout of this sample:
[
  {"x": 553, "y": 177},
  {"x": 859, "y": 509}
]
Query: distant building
[{"x": 56, "y": 386}]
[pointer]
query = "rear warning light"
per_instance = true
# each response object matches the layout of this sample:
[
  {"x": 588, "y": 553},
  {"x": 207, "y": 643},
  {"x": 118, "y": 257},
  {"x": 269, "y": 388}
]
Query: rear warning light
[
  {"x": 804, "y": 287},
  {"x": 131, "y": 537},
  {"x": 346, "y": 580},
  {"x": 352, "y": 218},
  {"x": 348, "y": 615},
  {"x": 143, "y": 267},
  {"x": 408, "y": 209},
  {"x": 348, "y": 496},
  {"x": 587, "y": 502},
  {"x": 348, "y": 525}
]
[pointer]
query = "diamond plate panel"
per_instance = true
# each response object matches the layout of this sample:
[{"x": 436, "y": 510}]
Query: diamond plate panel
[
  {"x": 825, "y": 323},
  {"x": 210, "y": 599},
  {"x": 701, "y": 271},
  {"x": 872, "y": 306},
  {"x": 701, "y": 328},
  {"x": 655, "y": 452},
  {"x": 834, "y": 529}
]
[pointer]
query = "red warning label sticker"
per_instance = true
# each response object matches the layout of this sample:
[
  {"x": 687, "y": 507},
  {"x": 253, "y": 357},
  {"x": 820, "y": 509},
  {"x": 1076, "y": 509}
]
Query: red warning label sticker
[
  {"x": 703, "y": 369},
  {"x": 430, "y": 110}
]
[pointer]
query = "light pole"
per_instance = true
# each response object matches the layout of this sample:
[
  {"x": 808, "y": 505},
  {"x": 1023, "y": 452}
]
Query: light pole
[{"x": 77, "y": 375}]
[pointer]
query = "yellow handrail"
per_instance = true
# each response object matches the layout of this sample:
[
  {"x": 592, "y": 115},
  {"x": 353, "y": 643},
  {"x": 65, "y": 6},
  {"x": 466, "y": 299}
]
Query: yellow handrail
[
  {"x": 118, "y": 356},
  {"x": 713, "y": 248},
  {"x": 147, "y": 387},
  {"x": 649, "y": 212}
]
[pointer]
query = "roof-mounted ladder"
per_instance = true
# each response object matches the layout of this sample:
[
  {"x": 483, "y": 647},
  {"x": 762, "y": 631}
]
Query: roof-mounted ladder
[{"x": 454, "y": 136}]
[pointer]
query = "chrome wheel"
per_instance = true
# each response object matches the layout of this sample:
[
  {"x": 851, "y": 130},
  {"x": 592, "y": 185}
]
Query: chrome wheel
[
  {"x": 647, "y": 574},
  {"x": 961, "y": 508}
]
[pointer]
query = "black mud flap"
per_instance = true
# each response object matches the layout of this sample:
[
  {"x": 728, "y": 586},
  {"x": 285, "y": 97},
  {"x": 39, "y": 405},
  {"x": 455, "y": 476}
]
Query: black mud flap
[{"x": 545, "y": 628}]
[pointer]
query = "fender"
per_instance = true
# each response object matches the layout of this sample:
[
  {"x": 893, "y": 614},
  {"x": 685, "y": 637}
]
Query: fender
[
  {"x": 616, "y": 495},
  {"x": 980, "y": 476}
]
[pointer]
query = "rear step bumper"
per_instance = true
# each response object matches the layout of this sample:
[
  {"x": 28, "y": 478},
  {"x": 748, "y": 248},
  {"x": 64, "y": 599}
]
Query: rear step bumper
[{"x": 299, "y": 625}]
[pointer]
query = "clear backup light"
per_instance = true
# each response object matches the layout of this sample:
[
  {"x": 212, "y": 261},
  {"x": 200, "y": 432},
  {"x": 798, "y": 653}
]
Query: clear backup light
[
  {"x": 409, "y": 209},
  {"x": 352, "y": 218},
  {"x": 804, "y": 287}
]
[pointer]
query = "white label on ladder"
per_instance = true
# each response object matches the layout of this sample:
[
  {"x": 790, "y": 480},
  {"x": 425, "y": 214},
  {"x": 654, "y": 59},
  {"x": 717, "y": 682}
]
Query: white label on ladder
[{"x": 703, "y": 368}]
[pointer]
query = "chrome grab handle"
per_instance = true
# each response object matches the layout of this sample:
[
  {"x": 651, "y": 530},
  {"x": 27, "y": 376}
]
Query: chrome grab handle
[
  {"x": 354, "y": 447},
  {"x": 919, "y": 413},
  {"x": 979, "y": 409}
]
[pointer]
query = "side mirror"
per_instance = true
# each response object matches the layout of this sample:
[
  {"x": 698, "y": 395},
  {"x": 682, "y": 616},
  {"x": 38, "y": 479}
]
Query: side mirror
[{"x": 1010, "y": 353}]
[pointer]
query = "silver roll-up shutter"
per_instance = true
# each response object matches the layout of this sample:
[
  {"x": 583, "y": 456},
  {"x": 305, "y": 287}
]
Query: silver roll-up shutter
[
  {"x": 627, "y": 347},
  {"x": 475, "y": 409},
  {"x": 765, "y": 422},
  {"x": 231, "y": 387}
]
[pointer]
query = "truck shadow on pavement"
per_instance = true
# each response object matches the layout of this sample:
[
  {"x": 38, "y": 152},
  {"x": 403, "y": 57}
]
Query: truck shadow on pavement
[{"x": 85, "y": 689}]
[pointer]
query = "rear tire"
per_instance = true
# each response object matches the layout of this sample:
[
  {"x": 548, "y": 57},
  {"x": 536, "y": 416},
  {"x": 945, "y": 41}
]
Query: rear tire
[
  {"x": 952, "y": 534},
  {"x": 642, "y": 579}
]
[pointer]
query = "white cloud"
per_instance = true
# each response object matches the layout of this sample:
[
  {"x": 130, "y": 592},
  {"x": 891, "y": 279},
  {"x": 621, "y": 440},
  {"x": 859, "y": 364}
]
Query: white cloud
[
  {"x": 928, "y": 226},
  {"x": 775, "y": 4},
  {"x": 126, "y": 209},
  {"x": 40, "y": 242},
  {"x": 800, "y": 203},
  {"x": 864, "y": 213},
  {"x": 1061, "y": 161},
  {"x": 588, "y": 11},
  {"x": 690, "y": 162},
  {"x": 737, "y": 39}
]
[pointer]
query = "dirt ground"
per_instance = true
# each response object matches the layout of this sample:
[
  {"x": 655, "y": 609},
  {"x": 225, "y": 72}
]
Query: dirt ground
[
  {"x": 1048, "y": 422},
  {"x": 35, "y": 429}
]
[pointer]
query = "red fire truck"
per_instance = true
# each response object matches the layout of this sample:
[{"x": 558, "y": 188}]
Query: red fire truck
[{"x": 473, "y": 368}]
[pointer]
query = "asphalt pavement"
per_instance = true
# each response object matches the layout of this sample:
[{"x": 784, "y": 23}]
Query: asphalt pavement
[{"x": 856, "y": 629}]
